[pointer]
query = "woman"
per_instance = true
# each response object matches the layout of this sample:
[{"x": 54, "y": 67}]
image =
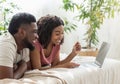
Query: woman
[{"x": 47, "y": 48}]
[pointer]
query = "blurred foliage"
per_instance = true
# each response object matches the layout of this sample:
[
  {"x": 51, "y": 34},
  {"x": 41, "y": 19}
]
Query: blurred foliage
[
  {"x": 93, "y": 13},
  {"x": 6, "y": 8},
  {"x": 69, "y": 26}
]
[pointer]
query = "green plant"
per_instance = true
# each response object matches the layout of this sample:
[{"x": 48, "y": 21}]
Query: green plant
[
  {"x": 93, "y": 13},
  {"x": 69, "y": 26},
  {"x": 6, "y": 8}
]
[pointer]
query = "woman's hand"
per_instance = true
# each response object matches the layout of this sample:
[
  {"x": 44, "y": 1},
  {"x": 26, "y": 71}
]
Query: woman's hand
[
  {"x": 71, "y": 65},
  {"x": 76, "y": 48}
]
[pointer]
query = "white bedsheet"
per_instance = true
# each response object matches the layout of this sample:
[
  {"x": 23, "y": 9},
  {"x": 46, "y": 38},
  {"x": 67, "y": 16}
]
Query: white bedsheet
[{"x": 108, "y": 74}]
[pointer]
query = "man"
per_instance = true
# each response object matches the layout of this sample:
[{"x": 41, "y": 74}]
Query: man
[{"x": 15, "y": 45}]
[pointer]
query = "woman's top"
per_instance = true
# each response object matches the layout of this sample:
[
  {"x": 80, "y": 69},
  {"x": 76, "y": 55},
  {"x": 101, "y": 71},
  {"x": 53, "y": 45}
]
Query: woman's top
[{"x": 47, "y": 60}]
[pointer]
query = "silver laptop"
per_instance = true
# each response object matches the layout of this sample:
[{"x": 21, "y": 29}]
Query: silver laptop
[{"x": 100, "y": 57}]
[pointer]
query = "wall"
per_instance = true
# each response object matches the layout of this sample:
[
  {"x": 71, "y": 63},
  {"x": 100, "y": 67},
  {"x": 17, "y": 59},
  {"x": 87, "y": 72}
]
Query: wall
[{"x": 110, "y": 32}]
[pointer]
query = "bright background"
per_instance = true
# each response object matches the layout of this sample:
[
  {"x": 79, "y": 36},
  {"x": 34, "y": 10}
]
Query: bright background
[{"x": 109, "y": 32}]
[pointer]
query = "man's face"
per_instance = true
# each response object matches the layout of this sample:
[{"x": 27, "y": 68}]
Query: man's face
[{"x": 31, "y": 35}]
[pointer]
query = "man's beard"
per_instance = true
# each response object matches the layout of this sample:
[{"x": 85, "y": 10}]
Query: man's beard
[{"x": 28, "y": 44}]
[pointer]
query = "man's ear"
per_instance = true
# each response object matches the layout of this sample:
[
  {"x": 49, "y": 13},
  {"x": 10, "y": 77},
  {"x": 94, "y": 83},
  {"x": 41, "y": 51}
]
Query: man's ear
[{"x": 21, "y": 32}]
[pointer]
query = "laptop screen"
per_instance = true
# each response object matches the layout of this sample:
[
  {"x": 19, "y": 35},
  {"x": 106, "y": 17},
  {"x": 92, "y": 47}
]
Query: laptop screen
[{"x": 102, "y": 53}]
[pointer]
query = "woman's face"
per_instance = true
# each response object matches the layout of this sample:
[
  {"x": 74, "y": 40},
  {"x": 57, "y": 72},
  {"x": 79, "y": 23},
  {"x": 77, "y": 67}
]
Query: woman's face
[{"x": 57, "y": 35}]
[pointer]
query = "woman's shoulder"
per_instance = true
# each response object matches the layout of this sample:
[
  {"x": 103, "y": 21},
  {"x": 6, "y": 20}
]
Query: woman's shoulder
[{"x": 37, "y": 44}]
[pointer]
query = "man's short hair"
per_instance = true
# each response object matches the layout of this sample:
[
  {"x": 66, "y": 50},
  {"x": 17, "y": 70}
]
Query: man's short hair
[{"x": 18, "y": 20}]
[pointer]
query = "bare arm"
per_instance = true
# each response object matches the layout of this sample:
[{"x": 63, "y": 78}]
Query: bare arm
[
  {"x": 68, "y": 58},
  {"x": 6, "y": 72},
  {"x": 21, "y": 68},
  {"x": 62, "y": 64},
  {"x": 9, "y": 72},
  {"x": 35, "y": 59},
  {"x": 29, "y": 65},
  {"x": 75, "y": 51},
  {"x": 66, "y": 62},
  {"x": 36, "y": 63}
]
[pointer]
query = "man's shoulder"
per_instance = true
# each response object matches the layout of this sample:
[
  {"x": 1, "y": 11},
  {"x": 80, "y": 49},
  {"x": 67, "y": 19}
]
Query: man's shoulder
[
  {"x": 7, "y": 40},
  {"x": 7, "y": 37}
]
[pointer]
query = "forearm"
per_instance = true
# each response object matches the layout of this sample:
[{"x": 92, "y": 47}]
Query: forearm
[
  {"x": 19, "y": 72},
  {"x": 66, "y": 65},
  {"x": 59, "y": 66},
  {"x": 68, "y": 58},
  {"x": 56, "y": 66},
  {"x": 29, "y": 65},
  {"x": 75, "y": 51}
]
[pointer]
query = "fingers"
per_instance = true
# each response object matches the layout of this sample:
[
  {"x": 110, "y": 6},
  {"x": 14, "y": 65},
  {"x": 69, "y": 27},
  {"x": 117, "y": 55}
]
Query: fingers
[
  {"x": 73, "y": 65},
  {"x": 78, "y": 46}
]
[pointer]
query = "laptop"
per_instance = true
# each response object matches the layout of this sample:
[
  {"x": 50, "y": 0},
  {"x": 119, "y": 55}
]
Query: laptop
[{"x": 100, "y": 57}]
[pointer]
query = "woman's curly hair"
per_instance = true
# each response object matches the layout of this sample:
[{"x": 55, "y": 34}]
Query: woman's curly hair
[{"x": 46, "y": 25}]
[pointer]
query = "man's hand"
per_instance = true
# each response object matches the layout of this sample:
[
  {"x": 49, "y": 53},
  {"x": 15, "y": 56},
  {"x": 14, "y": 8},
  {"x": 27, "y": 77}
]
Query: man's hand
[
  {"x": 21, "y": 68},
  {"x": 16, "y": 65}
]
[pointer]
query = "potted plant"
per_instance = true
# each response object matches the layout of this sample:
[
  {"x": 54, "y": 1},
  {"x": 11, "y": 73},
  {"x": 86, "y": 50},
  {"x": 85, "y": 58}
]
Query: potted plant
[
  {"x": 6, "y": 8},
  {"x": 93, "y": 13}
]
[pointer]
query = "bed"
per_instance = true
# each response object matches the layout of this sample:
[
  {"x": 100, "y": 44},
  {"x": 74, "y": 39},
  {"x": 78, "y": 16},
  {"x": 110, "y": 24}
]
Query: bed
[{"x": 108, "y": 74}]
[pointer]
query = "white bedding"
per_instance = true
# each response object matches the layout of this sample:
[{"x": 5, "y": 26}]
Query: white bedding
[{"x": 108, "y": 74}]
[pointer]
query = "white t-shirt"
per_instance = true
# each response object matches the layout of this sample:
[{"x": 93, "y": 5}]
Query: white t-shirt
[{"x": 8, "y": 51}]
